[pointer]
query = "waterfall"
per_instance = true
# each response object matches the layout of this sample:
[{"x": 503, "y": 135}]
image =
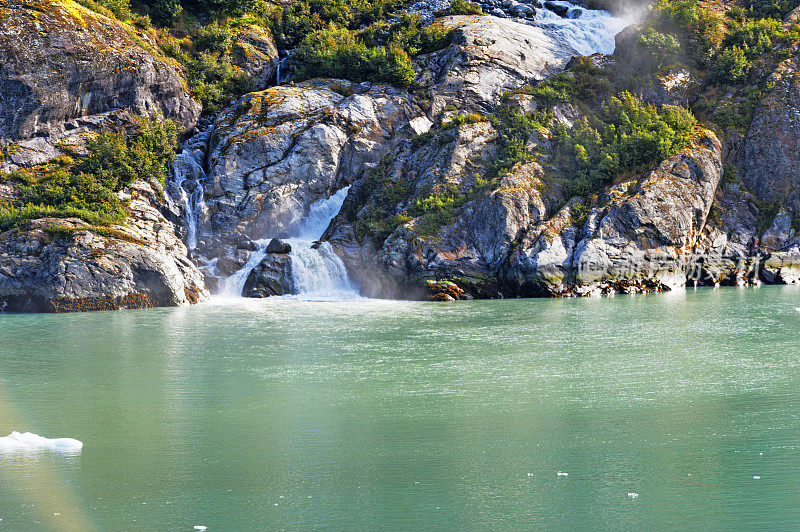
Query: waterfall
[
  {"x": 588, "y": 31},
  {"x": 186, "y": 186},
  {"x": 317, "y": 272}
]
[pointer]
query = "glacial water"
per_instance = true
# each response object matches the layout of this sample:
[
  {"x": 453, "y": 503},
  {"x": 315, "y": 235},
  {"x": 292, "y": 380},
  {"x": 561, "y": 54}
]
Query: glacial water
[{"x": 671, "y": 411}]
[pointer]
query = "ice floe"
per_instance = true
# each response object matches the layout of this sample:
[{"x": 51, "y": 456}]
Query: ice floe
[{"x": 28, "y": 441}]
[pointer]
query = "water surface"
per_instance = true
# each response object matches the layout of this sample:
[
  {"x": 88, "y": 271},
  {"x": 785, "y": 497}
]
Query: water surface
[{"x": 363, "y": 414}]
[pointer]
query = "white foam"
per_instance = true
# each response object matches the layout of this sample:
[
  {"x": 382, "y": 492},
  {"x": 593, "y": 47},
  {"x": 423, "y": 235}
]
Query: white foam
[
  {"x": 588, "y": 31},
  {"x": 28, "y": 441}
]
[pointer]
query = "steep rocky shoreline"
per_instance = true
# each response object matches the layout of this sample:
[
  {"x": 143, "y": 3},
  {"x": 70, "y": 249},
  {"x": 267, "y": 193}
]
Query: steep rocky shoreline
[{"x": 262, "y": 162}]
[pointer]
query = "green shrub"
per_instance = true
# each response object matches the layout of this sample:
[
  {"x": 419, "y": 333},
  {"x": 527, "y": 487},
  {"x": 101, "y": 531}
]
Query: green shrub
[
  {"x": 625, "y": 135},
  {"x": 680, "y": 12},
  {"x": 381, "y": 195},
  {"x": 214, "y": 37},
  {"x": 731, "y": 67},
  {"x": 165, "y": 12},
  {"x": 771, "y": 8},
  {"x": 658, "y": 49},
  {"x": 583, "y": 82},
  {"x": 513, "y": 130},
  {"x": 338, "y": 53},
  {"x": 755, "y": 37},
  {"x": 292, "y": 23},
  {"x": 86, "y": 189},
  {"x": 410, "y": 35},
  {"x": 119, "y": 9},
  {"x": 461, "y": 7},
  {"x": 423, "y": 138},
  {"x": 460, "y": 119}
]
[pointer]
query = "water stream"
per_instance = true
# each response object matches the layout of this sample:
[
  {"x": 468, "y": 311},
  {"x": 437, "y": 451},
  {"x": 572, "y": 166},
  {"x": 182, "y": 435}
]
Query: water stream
[
  {"x": 588, "y": 31},
  {"x": 185, "y": 190}
]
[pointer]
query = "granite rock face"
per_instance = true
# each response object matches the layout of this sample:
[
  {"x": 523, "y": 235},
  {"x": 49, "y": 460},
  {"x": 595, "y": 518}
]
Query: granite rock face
[
  {"x": 60, "y": 61},
  {"x": 521, "y": 238},
  {"x": 279, "y": 150},
  {"x": 489, "y": 55}
]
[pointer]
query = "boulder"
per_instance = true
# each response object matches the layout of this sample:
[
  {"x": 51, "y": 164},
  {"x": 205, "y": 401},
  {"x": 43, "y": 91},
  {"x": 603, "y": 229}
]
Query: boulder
[
  {"x": 61, "y": 61},
  {"x": 65, "y": 265},
  {"x": 276, "y": 246},
  {"x": 272, "y": 277},
  {"x": 255, "y": 54}
]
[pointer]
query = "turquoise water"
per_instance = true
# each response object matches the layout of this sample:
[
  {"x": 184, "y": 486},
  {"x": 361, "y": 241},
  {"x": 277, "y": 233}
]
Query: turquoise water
[{"x": 277, "y": 414}]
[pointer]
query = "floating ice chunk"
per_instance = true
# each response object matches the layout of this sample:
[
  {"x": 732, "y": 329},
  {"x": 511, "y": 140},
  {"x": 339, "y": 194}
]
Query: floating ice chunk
[
  {"x": 756, "y": 477},
  {"x": 561, "y": 474},
  {"x": 633, "y": 495},
  {"x": 28, "y": 441}
]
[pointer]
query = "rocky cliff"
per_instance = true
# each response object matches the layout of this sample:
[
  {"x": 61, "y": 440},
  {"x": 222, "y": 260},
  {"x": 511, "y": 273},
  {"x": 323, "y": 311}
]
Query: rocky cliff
[
  {"x": 66, "y": 265},
  {"x": 429, "y": 213},
  {"x": 62, "y": 61}
]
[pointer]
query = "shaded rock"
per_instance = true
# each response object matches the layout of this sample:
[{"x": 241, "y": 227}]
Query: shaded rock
[
  {"x": 272, "y": 277},
  {"x": 770, "y": 164},
  {"x": 228, "y": 266},
  {"x": 276, "y": 246},
  {"x": 782, "y": 267},
  {"x": 61, "y": 61},
  {"x": 674, "y": 87},
  {"x": 558, "y": 9},
  {"x": 248, "y": 245},
  {"x": 726, "y": 254}
]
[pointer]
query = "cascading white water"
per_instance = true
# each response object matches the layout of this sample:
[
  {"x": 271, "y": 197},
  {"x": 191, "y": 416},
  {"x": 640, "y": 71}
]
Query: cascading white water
[
  {"x": 317, "y": 272},
  {"x": 186, "y": 186},
  {"x": 588, "y": 31}
]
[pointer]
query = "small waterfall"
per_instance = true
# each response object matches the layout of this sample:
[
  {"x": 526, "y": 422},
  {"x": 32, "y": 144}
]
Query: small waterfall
[
  {"x": 283, "y": 72},
  {"x": 317, "y": 272},
  {"x": 186, "y": 186},
  {"x": 588, "y": 31}
]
